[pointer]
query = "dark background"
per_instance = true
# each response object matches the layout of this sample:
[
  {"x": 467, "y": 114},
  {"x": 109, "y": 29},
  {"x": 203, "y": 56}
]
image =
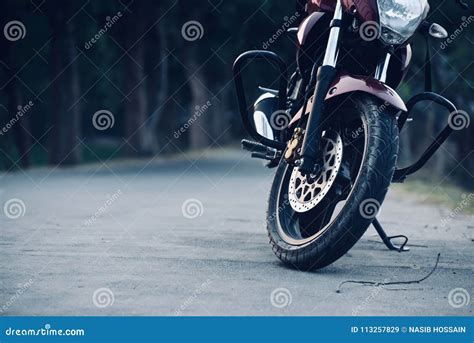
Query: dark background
[{"x": 152, "y": 80}]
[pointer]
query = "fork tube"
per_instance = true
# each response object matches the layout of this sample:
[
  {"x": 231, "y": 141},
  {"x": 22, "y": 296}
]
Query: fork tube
[
  {"x": 382, "y": 68},
  {"x": 330, "y": 57},
  {"x": 326, "y": 74}
]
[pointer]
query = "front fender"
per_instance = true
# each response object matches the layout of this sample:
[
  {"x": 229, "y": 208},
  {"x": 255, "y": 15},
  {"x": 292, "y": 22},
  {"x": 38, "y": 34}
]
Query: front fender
[{"x": 345, "y": 84}]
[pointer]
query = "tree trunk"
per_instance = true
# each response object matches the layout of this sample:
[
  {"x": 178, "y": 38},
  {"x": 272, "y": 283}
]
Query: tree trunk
[
  {"x": 55, "y": 136},
  {"x": 135, "y": 87},
  {"x": 198, "y": 121},
  {"x": 161, "y": 81},
  {"x": 198, "y": 137},
  {"x": 22, "y": 129},
  {"x": 72, "y": 122}
]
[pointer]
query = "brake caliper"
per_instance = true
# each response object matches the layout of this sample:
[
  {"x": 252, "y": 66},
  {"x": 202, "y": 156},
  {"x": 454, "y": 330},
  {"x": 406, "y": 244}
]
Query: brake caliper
[{"x": 293, "y": 151}]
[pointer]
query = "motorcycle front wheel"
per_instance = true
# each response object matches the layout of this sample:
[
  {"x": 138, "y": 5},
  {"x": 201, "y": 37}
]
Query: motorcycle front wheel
[{"x": 313, "y": 221}]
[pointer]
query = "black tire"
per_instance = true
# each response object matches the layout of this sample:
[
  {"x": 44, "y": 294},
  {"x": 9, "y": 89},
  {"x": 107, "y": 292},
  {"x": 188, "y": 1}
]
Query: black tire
[{"x": 375, "y": 171}]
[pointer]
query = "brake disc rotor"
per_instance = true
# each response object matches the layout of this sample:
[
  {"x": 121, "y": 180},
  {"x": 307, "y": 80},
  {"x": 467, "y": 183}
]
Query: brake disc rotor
[{"x": 304, "y": 194}]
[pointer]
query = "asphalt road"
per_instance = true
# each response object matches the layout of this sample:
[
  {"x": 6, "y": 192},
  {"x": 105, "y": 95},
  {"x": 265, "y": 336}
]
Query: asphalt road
[{"x": 114, "y": 240}]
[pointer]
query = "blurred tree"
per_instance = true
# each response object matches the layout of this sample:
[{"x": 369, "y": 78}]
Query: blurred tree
[
  {"x": 72, "y": 123},
  {"x": 136, "y": 102},
  {"x": 13, "y": 89},
  {"x": 192, "y": 54},
  {"x": 64, "y": 144},
  {"x": 158, "y": 85},
  {"x": 154, "y": 80}
]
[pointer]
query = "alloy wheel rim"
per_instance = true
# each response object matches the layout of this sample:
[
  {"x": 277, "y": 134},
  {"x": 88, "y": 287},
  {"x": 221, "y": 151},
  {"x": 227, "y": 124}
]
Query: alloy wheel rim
[{"x": 306, "y": 193}]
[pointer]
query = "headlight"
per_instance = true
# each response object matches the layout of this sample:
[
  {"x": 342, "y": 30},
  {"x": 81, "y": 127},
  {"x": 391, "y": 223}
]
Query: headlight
[{"x": 399, "y": 19}]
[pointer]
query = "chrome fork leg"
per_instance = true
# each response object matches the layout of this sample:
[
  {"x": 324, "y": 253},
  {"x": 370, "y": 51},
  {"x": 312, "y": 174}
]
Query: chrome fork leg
[
  {"x": 330, "y": 57},
  {"x": 326, "y": 73},
  {"x": 382, "y": 68}
]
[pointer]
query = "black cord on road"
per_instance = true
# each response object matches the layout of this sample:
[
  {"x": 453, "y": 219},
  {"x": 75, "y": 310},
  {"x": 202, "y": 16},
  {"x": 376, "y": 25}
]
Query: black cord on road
[{"x": 376, "y": 284}]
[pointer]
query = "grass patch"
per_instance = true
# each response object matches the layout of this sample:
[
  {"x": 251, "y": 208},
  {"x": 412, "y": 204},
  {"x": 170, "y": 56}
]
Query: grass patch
[{"x": 451, "y": 196}]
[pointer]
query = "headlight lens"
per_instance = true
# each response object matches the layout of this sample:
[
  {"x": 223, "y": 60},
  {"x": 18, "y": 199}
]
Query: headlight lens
[{"x": 399, "y": 19}]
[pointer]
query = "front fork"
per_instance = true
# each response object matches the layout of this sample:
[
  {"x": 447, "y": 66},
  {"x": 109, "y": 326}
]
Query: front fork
[{"x": 325, "y": 76}]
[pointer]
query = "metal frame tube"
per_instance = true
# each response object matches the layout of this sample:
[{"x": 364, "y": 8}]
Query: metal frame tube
[
  {"x": 245, "y": 58},
  {"x": 401, "y": 174}
]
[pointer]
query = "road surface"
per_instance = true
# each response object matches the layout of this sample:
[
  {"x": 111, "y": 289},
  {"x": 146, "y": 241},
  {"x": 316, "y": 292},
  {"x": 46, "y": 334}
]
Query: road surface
[{"x": 186, "y": 236}]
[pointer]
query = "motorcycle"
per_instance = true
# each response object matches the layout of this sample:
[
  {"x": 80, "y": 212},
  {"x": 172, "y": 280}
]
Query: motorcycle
[{"x": 332, "y": 129}]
